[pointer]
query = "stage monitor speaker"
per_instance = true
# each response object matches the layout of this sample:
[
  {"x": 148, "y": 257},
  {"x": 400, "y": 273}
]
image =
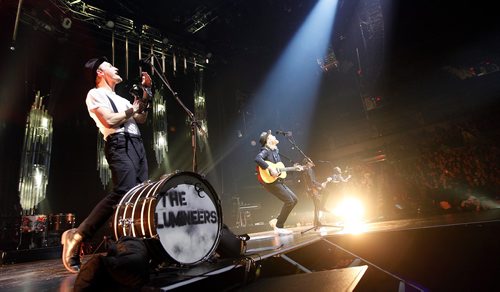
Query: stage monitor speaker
[{"x": 332, "y": 281}]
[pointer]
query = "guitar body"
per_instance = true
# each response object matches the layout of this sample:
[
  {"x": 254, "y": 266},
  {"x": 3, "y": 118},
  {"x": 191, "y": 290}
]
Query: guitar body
[
  {"x": 265, "y": 177},
  {"x": 315, "y": 191}
]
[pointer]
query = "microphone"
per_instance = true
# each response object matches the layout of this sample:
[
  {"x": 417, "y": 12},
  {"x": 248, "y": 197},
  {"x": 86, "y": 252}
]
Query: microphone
[{"x": 284, "y": 133}]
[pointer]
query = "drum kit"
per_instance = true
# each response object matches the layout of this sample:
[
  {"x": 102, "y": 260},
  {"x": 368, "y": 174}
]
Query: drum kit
[{"x": 38, "y": 231}]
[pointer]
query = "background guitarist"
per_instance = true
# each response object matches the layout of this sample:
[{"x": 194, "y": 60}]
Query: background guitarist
[
  {"x": 270, "y": 152},
  {"x": 314, "y": 188}
]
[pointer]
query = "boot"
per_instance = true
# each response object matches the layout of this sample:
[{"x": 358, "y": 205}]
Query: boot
[{"x": 71, "y": 256}]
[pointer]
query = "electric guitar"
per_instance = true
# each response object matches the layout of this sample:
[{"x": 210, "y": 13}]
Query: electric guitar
[
  {"x": 265, "y": 176},
  {"x": 314, "y": 191}
]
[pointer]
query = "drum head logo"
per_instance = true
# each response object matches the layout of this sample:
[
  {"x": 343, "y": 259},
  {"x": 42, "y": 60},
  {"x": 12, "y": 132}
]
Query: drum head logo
[{"x": 187, "y": 222}]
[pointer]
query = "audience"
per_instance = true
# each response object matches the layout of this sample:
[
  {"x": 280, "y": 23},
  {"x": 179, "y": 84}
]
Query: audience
[{"x": 455, "y": 168}]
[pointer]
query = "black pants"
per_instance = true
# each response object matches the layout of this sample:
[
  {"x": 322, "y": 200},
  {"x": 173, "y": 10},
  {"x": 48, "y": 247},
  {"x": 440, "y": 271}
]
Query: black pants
[
  {"x": 319, "y": 200},
  {"x": 289, "y": 199},
  {"x": 317, "y": 207},
  {"x": 126, "y": 157}
]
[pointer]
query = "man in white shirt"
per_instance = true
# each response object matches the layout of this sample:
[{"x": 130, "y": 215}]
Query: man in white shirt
[{"x": 117, "y": 120}]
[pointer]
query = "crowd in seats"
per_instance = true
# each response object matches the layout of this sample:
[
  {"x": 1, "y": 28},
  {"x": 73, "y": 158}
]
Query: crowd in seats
[
  {"x": 452, "y": 166},
  {"x": 457, "y": 165}
]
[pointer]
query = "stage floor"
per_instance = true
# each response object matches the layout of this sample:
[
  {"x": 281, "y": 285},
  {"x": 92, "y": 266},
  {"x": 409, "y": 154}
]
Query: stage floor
[{"x": 50, "y": 275}]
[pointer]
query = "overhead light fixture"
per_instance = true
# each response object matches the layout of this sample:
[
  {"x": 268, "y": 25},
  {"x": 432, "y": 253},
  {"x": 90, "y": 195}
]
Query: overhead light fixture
[
  {"x": 66, "y": 23},
  {"x": 110, "y": 24}
]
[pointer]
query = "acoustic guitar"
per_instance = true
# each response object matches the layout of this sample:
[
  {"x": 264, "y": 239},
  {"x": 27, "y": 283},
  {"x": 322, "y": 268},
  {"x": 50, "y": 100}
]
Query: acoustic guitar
[{"x": 265, "y": 176}]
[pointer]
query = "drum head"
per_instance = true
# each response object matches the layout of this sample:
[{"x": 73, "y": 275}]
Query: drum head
[{"x": 188, "y": 218}]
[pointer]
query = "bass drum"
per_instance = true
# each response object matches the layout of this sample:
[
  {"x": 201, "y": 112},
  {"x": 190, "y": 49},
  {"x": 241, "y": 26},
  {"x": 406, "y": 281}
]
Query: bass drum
[{"x": 181, "y": 210}]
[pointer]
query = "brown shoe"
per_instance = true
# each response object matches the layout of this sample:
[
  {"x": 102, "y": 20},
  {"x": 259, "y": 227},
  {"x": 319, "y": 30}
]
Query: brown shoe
[{"x": 71, "y": 241}]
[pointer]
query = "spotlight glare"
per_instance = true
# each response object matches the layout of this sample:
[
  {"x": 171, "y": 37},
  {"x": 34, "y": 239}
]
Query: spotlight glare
[{"x": 350, "y": 210}]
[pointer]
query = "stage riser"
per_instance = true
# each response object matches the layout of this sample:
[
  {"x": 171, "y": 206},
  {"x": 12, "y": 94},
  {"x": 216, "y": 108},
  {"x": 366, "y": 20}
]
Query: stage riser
[{"x": 449, "y": 258}]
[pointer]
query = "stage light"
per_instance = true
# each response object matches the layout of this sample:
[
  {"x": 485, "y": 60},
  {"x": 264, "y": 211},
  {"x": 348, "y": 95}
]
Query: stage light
[
  {"x": 293, "y": 81},
  {"x": 66, "y": 23},
  {"x": 34, "y": 176},
  {"x": 160, "y": 135},
  {"x": 110, "y": 24},
  {"x": 350, "y": 209}
]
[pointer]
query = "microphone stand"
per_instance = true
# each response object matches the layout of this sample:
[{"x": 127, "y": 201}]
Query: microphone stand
[
  {"x": 195, "y": 125},
  {"x": 315, "y": 226},
  {"x": 292, "y": 141}
]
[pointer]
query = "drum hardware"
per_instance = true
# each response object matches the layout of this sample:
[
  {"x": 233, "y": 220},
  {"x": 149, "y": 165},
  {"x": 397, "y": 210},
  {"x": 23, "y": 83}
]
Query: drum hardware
[
  {"x": 199, "y": 189},
  {"x": 126, "y": 222}
]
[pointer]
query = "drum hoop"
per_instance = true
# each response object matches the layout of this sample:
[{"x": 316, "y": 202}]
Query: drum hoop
[
  {"x": 152, "y": 225},
  {"x": 151, "y": 194},
  {"x": 137, "y": 199},
  {"x": 115, "y": 221},
  {"x": 136, "y": 194}
]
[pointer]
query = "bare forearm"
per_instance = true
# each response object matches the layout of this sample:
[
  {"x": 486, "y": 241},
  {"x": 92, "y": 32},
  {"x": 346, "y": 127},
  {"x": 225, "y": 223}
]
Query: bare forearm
[{"x": 111, "y": 119}]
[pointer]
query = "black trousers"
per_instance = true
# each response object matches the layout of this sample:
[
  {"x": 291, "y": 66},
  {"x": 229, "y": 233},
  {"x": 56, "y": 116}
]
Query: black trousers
[
  {"x": 289, "y": 199},
  {"x": 318, "y": 205},
  {"x": 126, "y": 157}
]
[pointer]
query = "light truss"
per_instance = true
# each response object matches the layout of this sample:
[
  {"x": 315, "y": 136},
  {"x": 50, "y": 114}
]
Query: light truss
[{"x": 127, "y": 29}]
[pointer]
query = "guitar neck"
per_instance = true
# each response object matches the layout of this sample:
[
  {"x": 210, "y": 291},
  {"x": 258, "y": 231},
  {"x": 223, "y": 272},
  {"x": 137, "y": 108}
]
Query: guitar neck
[{"x": 290, "y": 168}]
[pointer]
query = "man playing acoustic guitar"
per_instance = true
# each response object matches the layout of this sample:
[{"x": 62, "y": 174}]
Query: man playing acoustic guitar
[{"x": 271, "y": 173}]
